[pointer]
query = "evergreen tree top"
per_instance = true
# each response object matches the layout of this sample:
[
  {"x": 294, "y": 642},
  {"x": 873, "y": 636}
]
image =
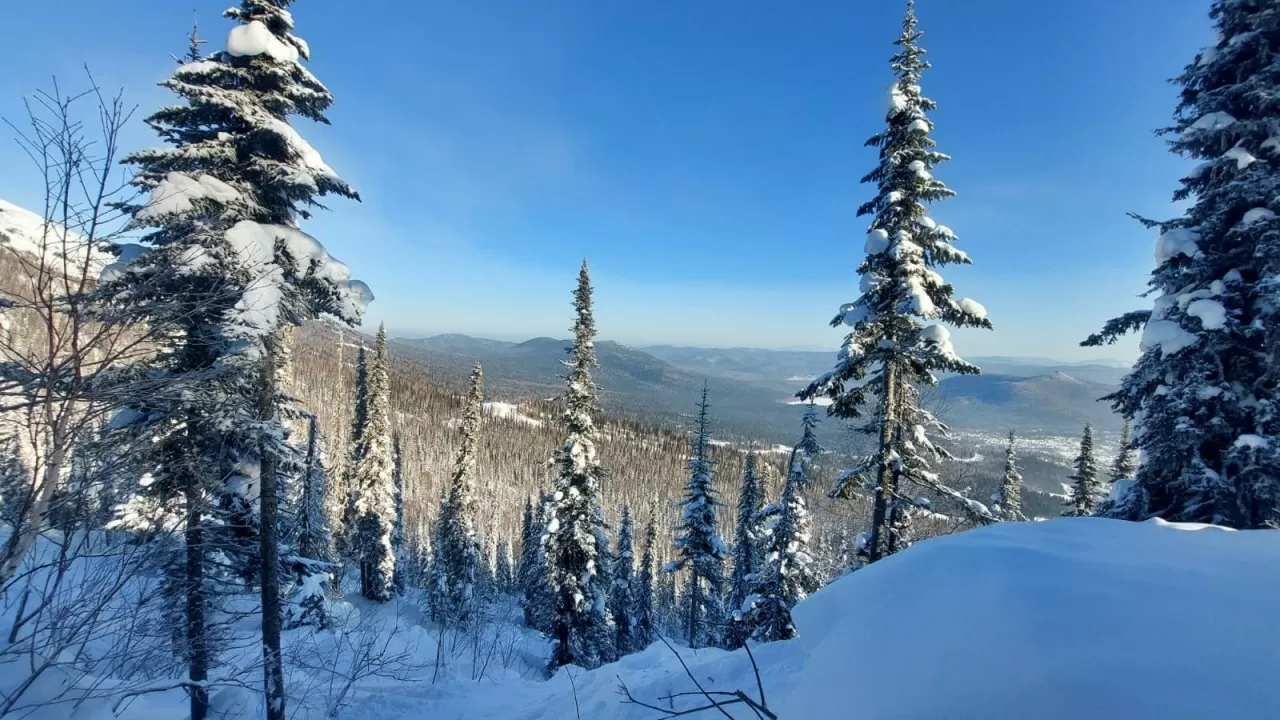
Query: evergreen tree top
[
  {"x": 749, "y": 496},
  {"x": 806, "y": 450},
  {"x": 237, "y": 105},
  {"x": 909, "y": 62},
  {"x": 1085, "y": 465},
  {"x": 626, "y": 534},
  {"x": 225, "y": 196},
  {"x": 698, "y": 539},
  {"x": 901, "y": 289},
  {"x": 1123, "y": 466},
  {"x": 1011, "y": 459},
  {"x": 700, "y": 461},
  {"x": 580, "y": 396}
]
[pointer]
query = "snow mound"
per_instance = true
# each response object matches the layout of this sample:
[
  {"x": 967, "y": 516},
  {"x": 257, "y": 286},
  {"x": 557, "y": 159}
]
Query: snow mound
[
  {"x": 1074, "y": 617},
  {"x": 1175, "y": 242},
  {"x": 253, "y": 38},
  {"x": 1069, "y": 618},
  {"x": 175, "y": 193},
  {"x": 1167, "y": 336}
]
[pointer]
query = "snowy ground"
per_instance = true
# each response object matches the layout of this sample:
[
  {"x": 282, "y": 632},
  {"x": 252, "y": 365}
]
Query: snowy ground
[
  {"x": 1062, "y": 449},
  {"x": 1071, "y": 618}
]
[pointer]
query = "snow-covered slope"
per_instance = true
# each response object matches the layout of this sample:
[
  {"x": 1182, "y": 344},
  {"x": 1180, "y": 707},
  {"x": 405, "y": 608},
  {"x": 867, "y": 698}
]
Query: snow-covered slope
[
  {"x": 1066, "y": 619},
  {"x": 1072, "y": 618},
  {"x": 26, "y": 232}
]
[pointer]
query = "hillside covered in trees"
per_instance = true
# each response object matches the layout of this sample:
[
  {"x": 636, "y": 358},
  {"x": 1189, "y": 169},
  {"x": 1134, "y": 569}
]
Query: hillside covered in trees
[{"x": 220, "y": 498}]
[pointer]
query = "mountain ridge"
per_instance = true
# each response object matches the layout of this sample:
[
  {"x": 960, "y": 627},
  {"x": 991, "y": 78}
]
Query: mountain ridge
[{"x": 751, "y": 388}]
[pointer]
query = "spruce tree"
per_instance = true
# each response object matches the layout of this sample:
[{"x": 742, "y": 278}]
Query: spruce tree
[
  {"x": 698, "y": 544},
  {"x": 361, "y": 401},
  {"x": 227, "y": 268},
  {"x": 529, "y": 567},
  {"x": 1086, "y": 490},
  {"x": 644, "y": 624},
  {"x": 890, "y": 350},
  {"x": 359, "y": 419},
  {"x": 1122, "y": 471},
  {"x": 1123, "y": 466},
  {"x": 1204, "y": 396},
  {"x": 488, "y": 581},
  {"x": 397, "y": 531},
  {"x": 622, "y": 594},
  {"x": 788, "y": 573},
  {"x": 373, "y": 492},
  {"x": 310, "y": 602},
  {"x": 545, "y": 615},
  {"x": 575, "y": 540},
  {"x": 458, "y": 560},
  {"x": 746, "y": 553},
  {"x": 503, "y": 574},
  {"x": 667, "y": 605},
  {"x": 1009, "y": 498}
]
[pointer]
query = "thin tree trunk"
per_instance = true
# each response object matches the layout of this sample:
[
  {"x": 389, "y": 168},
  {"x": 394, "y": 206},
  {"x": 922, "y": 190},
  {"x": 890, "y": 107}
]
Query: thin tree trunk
[
  {"x": 693, "y": 609},
  {"x": 197, "y": 646},
  {"x": 31, "y": 521},
  {"x": 305, "y": 547},
  {"x": 885, "y": 479},
  {"x": 268, "y": 499}
]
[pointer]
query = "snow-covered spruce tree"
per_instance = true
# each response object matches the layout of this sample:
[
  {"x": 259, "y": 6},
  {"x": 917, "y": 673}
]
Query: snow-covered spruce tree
[
  {"x": 309, "y": 604},
  {"x": 360, "y": 402},
  {"x": 1122, "y": 471},
  {"x": 622, "y": 593},
  {"x": 488, "y": 576},
  {"x": 746, "y": 554},
  {"x": 359, "y": 419},
  {"x": 226, "y": 264},
  {"x": 457, "y": 563},
  {"x": 787, "y": 574},
  {"x": 666, "y": 607},
  {"x": 1123, "y": 466},
  {"x": 504, "y": 575},
  {"x": 698, "y": 544},
  {"x": 890, "y": 350},
  {"x": 537, "y": 599},
  {"x": 1204, "y": 396},
  {"x": 575, "y": 540},
  {"x": 1086, "y": 489},
  {"x": 529, "y": 566},
  {"x": 397, "y": 532},
  {"x": 644, "y": 625},
  {"x": 1008, "y": 499},
  {"x": 373, "y": 486}
]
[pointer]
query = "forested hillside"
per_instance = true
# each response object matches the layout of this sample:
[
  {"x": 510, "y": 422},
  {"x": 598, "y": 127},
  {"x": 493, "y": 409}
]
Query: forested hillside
[{"x": 227, "y": 493}]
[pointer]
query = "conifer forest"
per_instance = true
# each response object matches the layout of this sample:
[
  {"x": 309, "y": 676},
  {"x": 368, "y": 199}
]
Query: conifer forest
[{"x": 228, "y": 491}]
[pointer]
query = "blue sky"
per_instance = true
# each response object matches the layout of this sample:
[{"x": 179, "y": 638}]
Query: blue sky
[{"x": 703, "y": 155}]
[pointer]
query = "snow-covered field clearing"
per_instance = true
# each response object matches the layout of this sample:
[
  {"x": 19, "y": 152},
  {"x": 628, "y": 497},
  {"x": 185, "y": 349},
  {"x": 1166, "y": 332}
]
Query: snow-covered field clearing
[{"x": 1071, "y": 618}]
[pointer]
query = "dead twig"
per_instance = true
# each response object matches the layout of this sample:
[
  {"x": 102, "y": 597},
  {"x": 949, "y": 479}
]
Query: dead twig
[{"x": 716, "y": 699}]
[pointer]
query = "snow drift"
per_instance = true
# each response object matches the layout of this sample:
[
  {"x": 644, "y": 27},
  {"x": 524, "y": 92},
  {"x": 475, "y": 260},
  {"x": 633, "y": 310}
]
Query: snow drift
[
  {"x": 1065, "y": 619},
  {"x": 1071, "y": 618}
]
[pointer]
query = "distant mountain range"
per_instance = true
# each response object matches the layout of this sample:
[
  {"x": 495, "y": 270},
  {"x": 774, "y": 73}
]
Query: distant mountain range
[
  {"x": 632, "y": 382},
  {"x": 750, "y": 388}
]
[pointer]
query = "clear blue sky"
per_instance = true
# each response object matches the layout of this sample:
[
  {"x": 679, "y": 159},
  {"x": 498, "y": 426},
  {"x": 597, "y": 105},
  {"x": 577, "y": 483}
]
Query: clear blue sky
[{"x": 703, "y": 155}]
